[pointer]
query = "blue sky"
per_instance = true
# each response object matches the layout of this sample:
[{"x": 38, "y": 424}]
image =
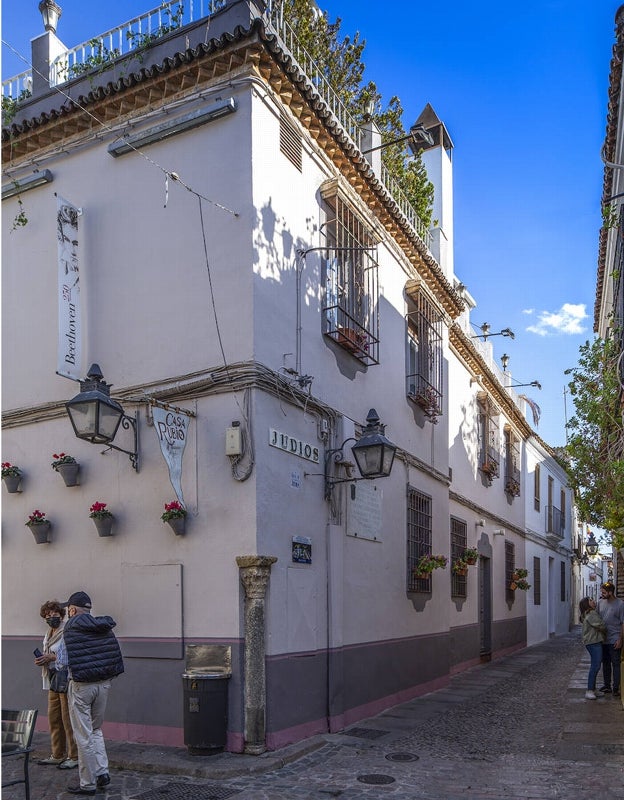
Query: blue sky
[{"x": 522, "y": 89}]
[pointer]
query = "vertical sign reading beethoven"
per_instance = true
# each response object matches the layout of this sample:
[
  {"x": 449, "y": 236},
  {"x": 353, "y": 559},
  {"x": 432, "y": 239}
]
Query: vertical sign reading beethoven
[
  {"x": 172, "y": 430},
  {"x": 69, "y": 317}
]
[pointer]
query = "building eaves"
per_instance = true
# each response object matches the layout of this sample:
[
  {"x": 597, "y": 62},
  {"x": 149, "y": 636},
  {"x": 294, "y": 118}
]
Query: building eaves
[
  {"x": 609, "y": 151},
  {"x": 474, "y": 361},
  {"x": 350, "y": 159}
]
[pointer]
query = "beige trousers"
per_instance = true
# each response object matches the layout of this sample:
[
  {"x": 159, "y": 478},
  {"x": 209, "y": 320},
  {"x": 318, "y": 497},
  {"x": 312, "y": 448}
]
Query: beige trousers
[
  {"x": 87, "y": 704},
  {"x": 61, "y": 734}
]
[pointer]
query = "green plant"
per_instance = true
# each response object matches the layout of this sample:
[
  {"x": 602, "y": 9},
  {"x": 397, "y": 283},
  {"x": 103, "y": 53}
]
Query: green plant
[
  {"x": 10, "y": 105},
  {"x": 340, "y": 62},
  {"x": 518, "y": 574},
  {"x": 99, "y": 511},
  {"x": 61, "y": 458},
  {"x": 470, "y": 555},
  {"x": 10, "y": 470},
  {"x": 173, "y": 510},
  {"x": 101, "y": 57},
  {"x": 37, "y": 518},
  {"x": 428, "y": 562},
  {"x": 140, "y": 40},
  {"x": 520, "y": 584},
  {"x": 610, "y": 215},
  {"x": 460, "y": 567},
  {"x": 20, "y": 219},
  {"x": 595, "y": 448}
]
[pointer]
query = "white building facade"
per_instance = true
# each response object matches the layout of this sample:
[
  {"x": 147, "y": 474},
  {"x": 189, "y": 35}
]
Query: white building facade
[{"x": 244, "y": 270}]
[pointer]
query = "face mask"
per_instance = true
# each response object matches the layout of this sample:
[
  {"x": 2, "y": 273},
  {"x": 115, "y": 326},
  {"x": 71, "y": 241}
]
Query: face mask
[{"x": 53, "y": 622}]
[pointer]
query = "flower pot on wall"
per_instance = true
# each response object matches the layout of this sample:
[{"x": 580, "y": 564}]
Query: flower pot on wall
[
  {"x": 177, "y": 525},
  {"x": 69, "y": 473},
  {"x": 41, "y": 532},
  {"x": 104, "y": 525},
  {"x": 12, "y": 483}
]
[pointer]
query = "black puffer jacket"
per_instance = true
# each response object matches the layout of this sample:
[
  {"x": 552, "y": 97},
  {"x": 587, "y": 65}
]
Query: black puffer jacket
[{"x": 92, "y": 648}]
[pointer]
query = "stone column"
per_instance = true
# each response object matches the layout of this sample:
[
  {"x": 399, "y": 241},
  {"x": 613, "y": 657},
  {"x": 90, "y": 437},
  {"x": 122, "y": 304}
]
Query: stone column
[{"x": 254, "y": 574}]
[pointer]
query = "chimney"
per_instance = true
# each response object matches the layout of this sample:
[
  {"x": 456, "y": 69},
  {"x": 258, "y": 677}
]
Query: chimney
[
  {"x": 46, "y": 49},
  {"x": 438, "y": 161}
]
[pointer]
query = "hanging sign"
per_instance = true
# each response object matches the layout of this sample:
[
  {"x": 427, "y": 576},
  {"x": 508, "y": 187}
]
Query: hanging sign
[
  {"x": 69, "y": 314},
  {"x": 172, "y": 431}
]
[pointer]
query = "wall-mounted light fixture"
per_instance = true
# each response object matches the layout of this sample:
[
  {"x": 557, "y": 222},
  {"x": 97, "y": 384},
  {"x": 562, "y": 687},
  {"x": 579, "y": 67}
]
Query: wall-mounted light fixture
[
  {"x": 591, "y": 545},
  {"x": 373, "y": 453},
  {"x": 38, "y": 178},
  {"x": 96, "y": 418},
  {"x": 51, "y": 13},
  {"x": 499, "y": 532},
  {"x": 417, "y": 137},
  {"x": 505, "y": 361},
  {"x": 485, "y": 332},
  {"x": 219, "y": 108}
]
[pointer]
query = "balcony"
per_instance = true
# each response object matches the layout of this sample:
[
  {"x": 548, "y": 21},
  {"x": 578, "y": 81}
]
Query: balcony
[{"x": 555, "y": 523}]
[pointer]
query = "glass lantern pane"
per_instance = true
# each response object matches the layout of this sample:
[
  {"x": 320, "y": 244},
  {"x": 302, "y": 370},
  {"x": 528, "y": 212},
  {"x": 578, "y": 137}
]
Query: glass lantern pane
[
  {"x": 108, "y": 422},
  {"x": 83, "y": 417},
  {"x": 369, "y": 459}
]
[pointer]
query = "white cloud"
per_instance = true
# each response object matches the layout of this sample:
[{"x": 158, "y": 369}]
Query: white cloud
[
  {"x": 568, "y": 320},
  {"x": 528, "y": 311}
]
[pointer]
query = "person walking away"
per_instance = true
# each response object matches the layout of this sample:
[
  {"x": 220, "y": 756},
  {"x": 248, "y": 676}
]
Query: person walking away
[
  {"x": 593, "y": 634},
  {"x": 611, "y": 609},
  {"x": 64, "y": 753},
  {"x": 91, "y": 651}
]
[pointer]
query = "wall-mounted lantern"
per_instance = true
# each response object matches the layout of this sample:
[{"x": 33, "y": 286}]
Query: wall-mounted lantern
[
  {"x": 96, "y": 418},
  {"x": 373, "y": 453}
]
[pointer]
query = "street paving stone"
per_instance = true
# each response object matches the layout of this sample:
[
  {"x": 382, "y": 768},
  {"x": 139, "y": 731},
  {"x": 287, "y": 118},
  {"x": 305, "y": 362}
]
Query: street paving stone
[{"x": 518, "y": 728}]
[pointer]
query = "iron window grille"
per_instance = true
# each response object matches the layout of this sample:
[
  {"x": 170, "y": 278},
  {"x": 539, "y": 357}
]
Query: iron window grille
[
  {"x": 537, "y": 581},
  {"x": 424, "y": 355},
  {"x": 459, "y": 542},
  {"x": 562, "y": 594},
  {"x": 510, "y": 568},
  {"x": 488, "y": 433},
  {"x": 419, "y": 527},
  {"x": 512, "y": 461},
  {"x": 351, "y": 311}
]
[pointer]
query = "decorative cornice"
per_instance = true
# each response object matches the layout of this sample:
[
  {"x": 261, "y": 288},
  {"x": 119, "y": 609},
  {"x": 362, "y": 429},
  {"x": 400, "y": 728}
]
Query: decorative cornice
[
  {"x": 609, "y": 151},
  {"x": 257, "y": 51}
]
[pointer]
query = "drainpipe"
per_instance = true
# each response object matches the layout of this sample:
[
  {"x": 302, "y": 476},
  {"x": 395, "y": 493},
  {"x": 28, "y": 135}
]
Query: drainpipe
[{"x": 254, "y": 574}]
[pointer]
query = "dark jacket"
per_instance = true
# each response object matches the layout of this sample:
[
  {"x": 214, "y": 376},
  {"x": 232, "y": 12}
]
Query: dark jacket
[{"x": 92, "y": 648}]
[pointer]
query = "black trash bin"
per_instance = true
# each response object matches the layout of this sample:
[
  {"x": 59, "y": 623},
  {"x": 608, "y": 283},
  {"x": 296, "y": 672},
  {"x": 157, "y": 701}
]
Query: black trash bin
[{"x": 205, "y": 711}]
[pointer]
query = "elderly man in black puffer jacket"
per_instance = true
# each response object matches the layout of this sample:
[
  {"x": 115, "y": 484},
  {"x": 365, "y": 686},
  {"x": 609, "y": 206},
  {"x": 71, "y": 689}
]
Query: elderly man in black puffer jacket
[{"x": 91, "y": 651}]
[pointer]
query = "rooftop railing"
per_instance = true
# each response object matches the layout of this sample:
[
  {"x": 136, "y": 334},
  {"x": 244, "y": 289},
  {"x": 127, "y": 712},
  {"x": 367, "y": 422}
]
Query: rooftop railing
[{"x": 144, "y": 29}]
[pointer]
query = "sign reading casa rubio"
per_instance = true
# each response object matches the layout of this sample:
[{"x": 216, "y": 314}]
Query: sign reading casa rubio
[
  {"x": 172, "y": 431},
  {"x": 296, "y": 447},
  {"x": 69, "y": 312}
]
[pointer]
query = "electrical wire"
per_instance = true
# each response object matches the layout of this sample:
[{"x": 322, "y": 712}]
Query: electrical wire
[{"x": 167, "y": 173}]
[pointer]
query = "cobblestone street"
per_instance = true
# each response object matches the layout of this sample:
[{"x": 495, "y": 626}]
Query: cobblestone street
[{"x": 515, "y": 728}]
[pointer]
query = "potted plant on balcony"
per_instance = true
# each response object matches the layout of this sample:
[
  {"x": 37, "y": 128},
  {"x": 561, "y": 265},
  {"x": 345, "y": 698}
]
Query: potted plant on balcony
[
  {"x": 460, "y": 567},
  {"x": 175, "y": 516},
  {"x": 102, "y": 519},
  {"x": 11, "y": 475},
  {"x": 427, "y": 563},
  {"x": 490, "y": 469},
  {"x": 352, "y": 340},
  {"x": 67, "y": 466},
  {"x": 512, "y": 487},
  {"x": 40, "y": 526},
  {"x": 428, "y": 399},
  {"x": 518, "y": 580},
  {"x": 470, "y": 556}
]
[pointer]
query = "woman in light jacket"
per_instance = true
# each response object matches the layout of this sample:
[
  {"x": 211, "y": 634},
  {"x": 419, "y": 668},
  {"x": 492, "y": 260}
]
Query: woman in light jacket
[
  {"x": 64, "y": 752},
  {"x": 593, "y": 634}
]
